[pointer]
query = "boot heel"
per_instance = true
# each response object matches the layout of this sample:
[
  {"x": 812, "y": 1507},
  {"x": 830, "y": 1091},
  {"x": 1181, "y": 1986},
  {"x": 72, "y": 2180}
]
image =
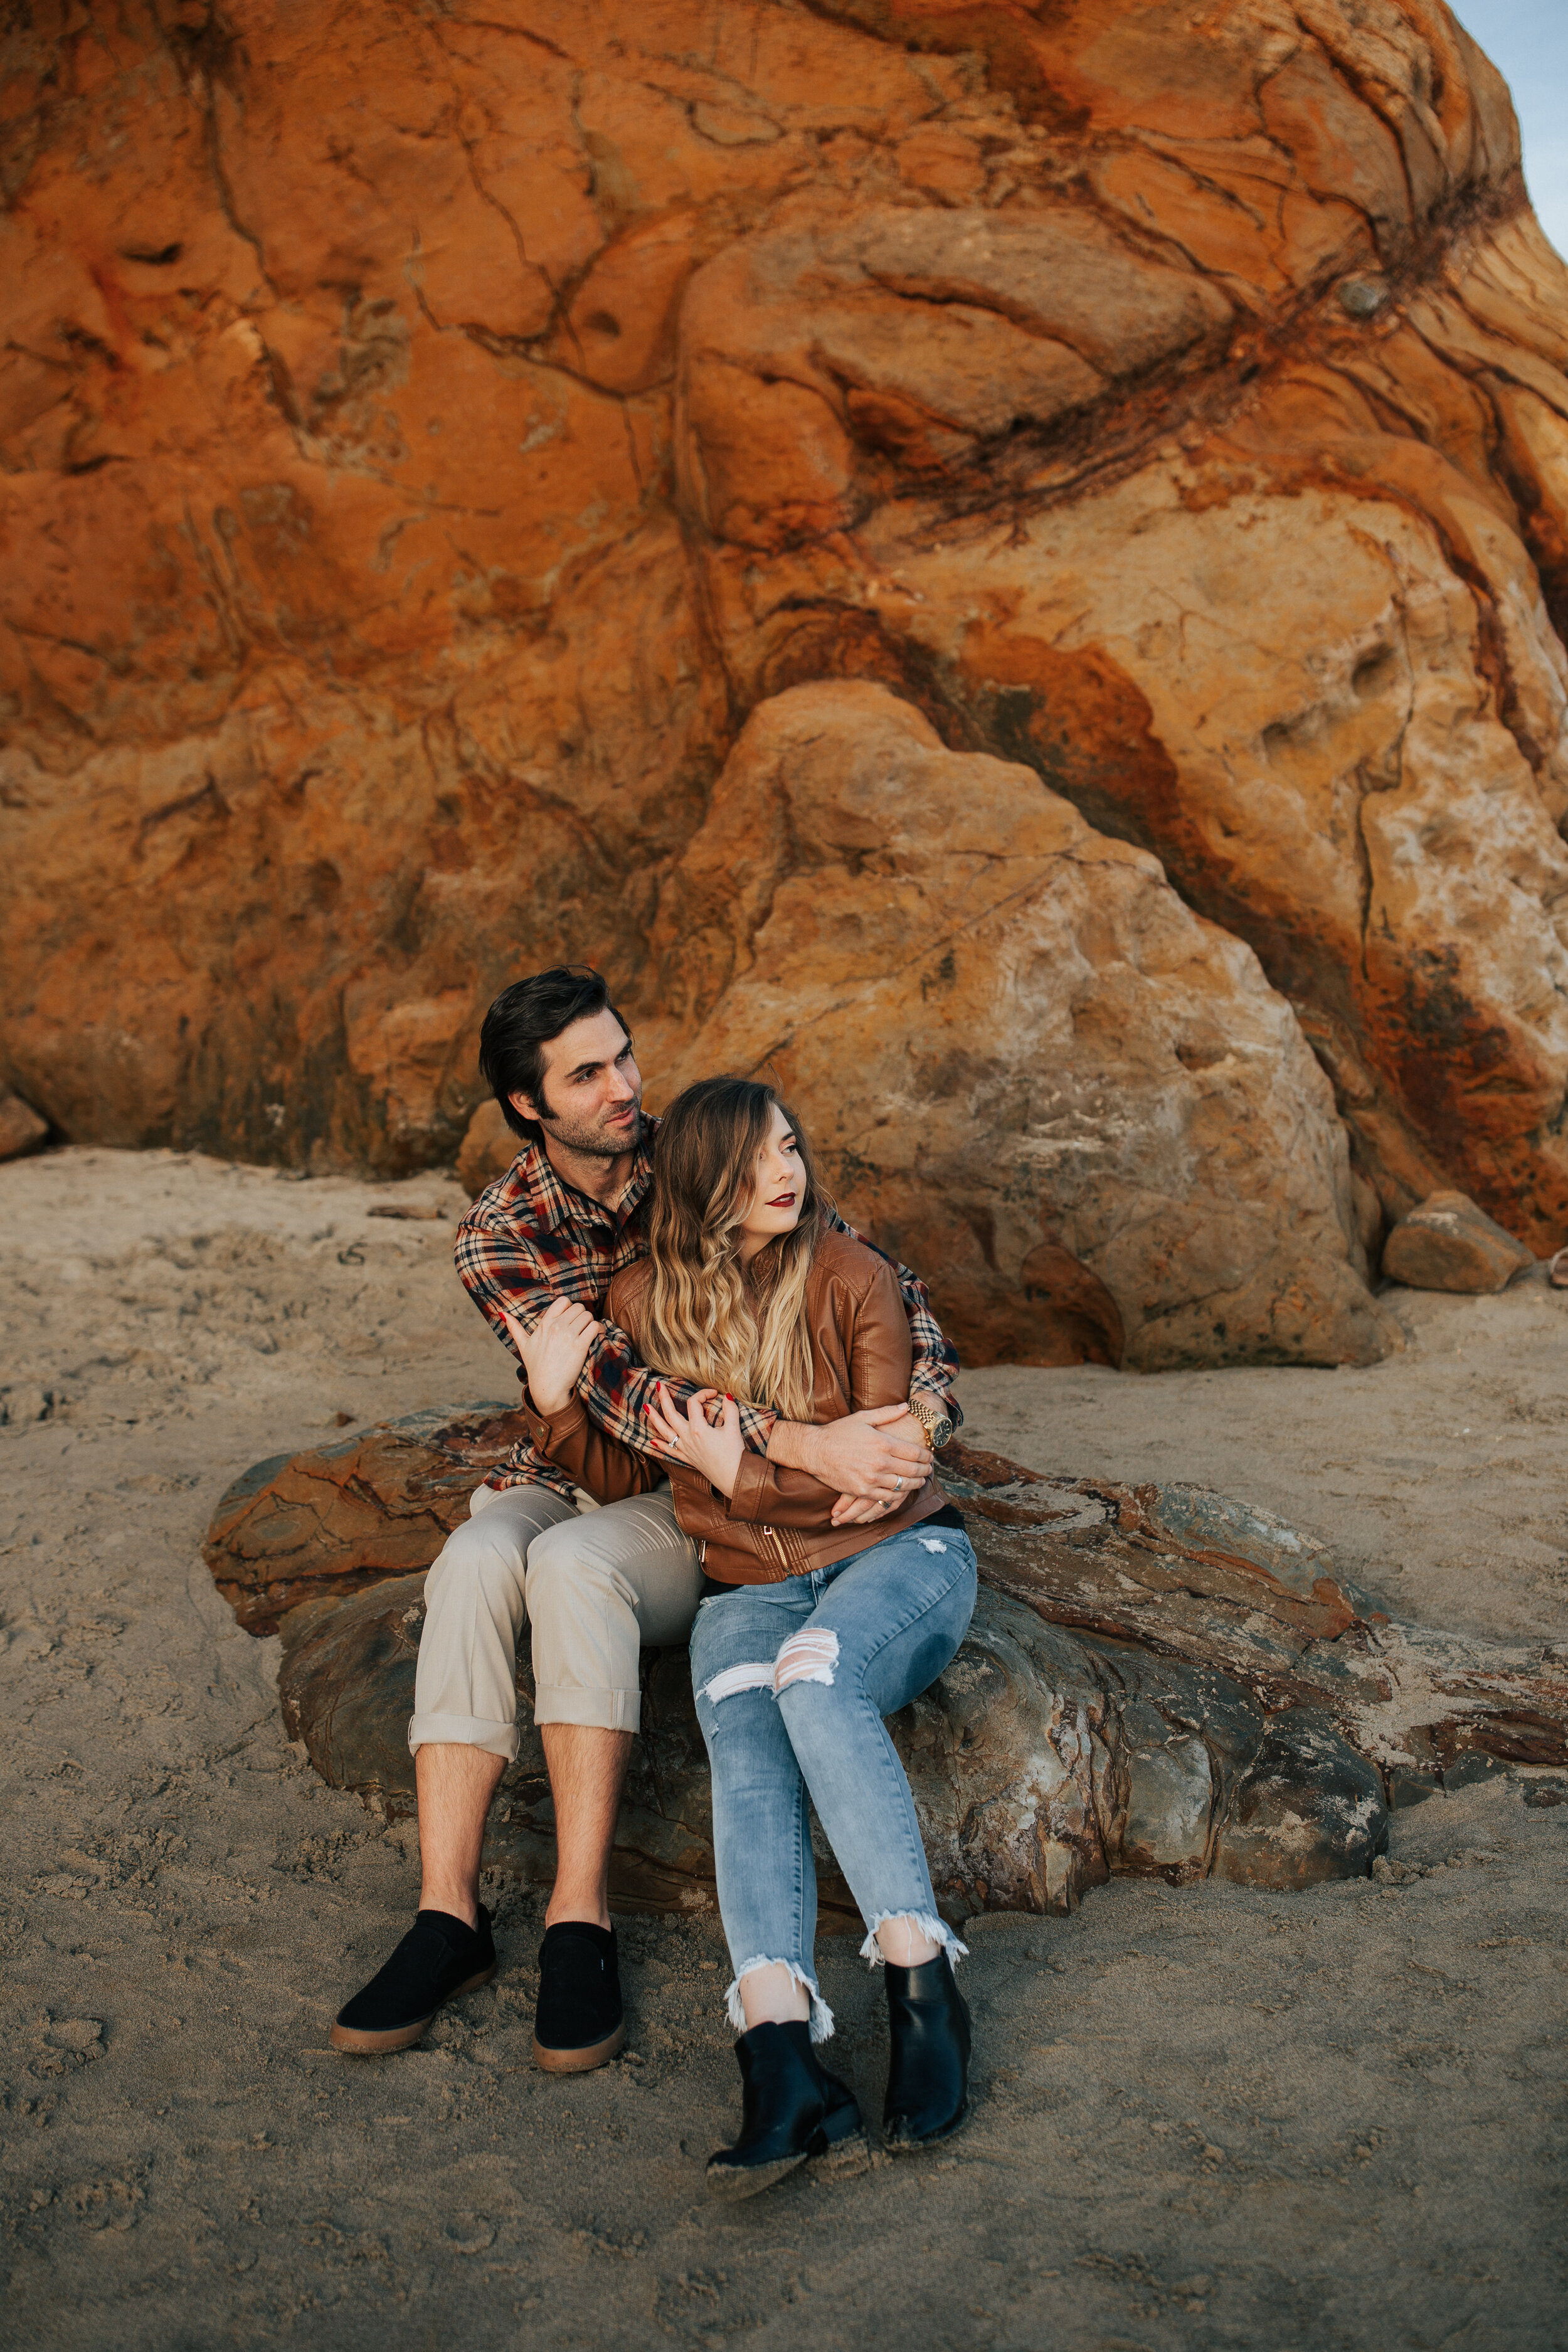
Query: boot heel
[{"x": 840, "y": 2149}]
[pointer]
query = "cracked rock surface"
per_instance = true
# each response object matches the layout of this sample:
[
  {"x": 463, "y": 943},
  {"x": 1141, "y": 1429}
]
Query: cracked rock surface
[
  {"x": 1157, "y": 1681},
  {"x": 435, "y": 441}
]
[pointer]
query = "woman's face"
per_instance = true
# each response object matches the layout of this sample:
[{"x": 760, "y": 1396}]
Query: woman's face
[{"x": 778, "y": 1186}]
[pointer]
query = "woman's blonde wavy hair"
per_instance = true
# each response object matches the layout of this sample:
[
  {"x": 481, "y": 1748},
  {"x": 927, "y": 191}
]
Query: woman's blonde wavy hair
[{"x": 699, "y": 1323}]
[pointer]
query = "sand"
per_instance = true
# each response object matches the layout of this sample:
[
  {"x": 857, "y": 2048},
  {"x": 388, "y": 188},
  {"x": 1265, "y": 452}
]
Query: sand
[{"x": 1207, "y": 2117}]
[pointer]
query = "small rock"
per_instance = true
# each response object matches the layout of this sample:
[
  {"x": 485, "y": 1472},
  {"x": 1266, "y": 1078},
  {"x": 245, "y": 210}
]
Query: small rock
[
  {"x": 1363, "y": 297},
  {"x": 21, "y": 1406},
  {"x": 470, "y": 2236},
  {"x": 1448, "y": 1243},
  {"x": 21, "y": 1129},
  {"x": 1472, "y": 1765}
]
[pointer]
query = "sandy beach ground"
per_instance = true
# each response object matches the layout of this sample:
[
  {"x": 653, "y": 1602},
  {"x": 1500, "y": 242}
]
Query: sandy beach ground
[{"x": 1212, "y": 2116}]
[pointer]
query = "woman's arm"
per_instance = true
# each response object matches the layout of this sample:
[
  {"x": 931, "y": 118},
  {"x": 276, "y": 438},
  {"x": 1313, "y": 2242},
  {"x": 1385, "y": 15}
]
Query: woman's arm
[
  {"x": 878, "y": 1347},
  {"x": 607, "y": 1471}
]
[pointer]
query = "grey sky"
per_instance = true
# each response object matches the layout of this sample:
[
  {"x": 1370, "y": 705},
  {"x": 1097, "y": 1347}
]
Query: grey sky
[{"x": 1527, "y": 40}]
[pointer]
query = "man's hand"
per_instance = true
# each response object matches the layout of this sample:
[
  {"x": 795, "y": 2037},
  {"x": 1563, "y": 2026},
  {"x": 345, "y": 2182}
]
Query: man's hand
[
  {"x": 860, "y": 1510},
  {"x": 712, "y": 1448},
  {"x": 554, "y": 1351},
  {"x": 875, "y": 1457}
]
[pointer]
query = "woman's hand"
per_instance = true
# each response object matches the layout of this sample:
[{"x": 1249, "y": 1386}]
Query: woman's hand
[
  {"x": 554, "y": 1351},
  {"x": 712, "y": 1448}
]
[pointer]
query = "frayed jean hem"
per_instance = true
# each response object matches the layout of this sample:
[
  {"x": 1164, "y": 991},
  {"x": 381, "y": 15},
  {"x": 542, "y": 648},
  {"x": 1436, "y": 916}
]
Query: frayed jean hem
[
  {"x": 821, "y": 2015},
  {"x": 936, "y": 1930}
]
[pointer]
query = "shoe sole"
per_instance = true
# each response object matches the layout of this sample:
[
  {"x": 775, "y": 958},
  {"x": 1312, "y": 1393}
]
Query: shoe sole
[
  {"x": 841, "y": 2159},
  {"x": 583, "y": 2061},
  {"x": 933, "y": 2139},
  {"x": 824, "y": 2159},
  {"x": 359, "y": 2044},
  {"x": 731, "y": 2182}
]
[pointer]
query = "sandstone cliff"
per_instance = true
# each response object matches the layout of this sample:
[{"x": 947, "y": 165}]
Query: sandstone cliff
[
  {"x": 1077, "y": 1107},
  {"x": 431, "y": 435}
]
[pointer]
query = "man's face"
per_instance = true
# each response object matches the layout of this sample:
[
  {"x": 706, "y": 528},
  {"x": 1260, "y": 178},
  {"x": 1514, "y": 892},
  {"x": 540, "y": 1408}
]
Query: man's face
[{"x": 592, "y": 1089}]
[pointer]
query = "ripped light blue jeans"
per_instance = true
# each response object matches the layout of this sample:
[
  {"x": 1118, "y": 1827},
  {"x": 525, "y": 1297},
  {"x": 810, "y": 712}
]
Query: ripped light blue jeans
[{"x": 791, "y": 1682}]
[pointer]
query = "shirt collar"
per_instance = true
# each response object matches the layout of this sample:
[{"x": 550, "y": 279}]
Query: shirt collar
[{"x": 556, "y": 1203}]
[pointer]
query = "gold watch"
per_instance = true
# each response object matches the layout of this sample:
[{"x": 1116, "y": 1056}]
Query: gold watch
[{"x": 937, "y": 1424}]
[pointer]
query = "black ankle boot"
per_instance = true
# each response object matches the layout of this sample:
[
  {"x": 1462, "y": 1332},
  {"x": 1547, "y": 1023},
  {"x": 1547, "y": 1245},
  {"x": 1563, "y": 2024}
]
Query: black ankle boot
[
  {"x": 792, "y": 2109},
  {"x": 927, "y": 2077}
]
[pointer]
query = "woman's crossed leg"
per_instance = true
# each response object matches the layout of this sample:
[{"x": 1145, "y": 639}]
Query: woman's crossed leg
[{"x": 792, "y": 1681}]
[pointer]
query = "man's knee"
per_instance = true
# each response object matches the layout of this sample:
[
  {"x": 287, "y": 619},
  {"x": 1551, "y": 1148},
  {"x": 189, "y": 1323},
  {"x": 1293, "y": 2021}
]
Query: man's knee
[
  {"x": 565, "y": 1568},
  {"x": 480, "y": 1561}
]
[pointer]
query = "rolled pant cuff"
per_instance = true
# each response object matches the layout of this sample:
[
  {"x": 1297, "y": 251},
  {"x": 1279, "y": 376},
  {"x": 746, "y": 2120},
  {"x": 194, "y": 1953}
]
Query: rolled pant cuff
[
  {"x": 596, "y": 1710},
  {"x": 463, "y": 1731}
]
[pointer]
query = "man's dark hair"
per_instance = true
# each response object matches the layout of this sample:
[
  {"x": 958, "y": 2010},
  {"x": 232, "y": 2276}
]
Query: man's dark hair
[{"x": 524, "y": 1018}]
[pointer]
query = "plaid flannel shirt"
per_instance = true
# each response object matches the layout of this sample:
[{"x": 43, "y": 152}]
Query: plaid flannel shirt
[{"x": 529, "y": 1238}]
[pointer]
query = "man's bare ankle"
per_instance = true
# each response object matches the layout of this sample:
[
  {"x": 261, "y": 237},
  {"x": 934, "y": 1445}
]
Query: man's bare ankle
[
  {"x": 455, "y": 1907},
  {"x": 560, "y": 1914}
]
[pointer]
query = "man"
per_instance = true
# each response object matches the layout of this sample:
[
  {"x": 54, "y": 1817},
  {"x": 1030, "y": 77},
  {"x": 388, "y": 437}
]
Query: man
[{"x": 537, "y": 1251}]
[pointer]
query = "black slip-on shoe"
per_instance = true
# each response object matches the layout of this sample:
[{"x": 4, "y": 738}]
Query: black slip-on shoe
[
  {"x": 440, "y": 1957},
  {"x": 579, "y": 2023}
]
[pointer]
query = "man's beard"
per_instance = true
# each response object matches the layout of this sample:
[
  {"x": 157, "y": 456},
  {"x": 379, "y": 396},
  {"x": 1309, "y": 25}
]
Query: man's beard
[{"x": 595, "y": 1142}]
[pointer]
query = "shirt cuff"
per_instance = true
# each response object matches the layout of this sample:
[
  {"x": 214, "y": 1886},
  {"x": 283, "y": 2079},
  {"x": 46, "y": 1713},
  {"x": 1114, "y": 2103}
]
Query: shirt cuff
[
  {"x": 756, "y": 1427},
  {"x": 932, "y": 1393}
]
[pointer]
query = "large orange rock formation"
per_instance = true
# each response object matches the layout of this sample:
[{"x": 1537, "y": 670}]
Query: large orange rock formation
[
  {"x": 1033, "y": 1071},
  {"x": 431, "y": 436}
]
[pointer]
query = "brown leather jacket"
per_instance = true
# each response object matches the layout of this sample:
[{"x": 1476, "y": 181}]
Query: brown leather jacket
[{"x": 777, "y": 1523}]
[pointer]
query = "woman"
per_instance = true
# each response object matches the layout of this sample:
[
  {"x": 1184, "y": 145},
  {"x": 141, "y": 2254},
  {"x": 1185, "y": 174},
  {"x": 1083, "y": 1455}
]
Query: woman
[{"x": 810, "y": 1634}]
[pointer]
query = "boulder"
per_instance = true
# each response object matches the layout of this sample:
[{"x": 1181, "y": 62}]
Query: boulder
[
  {"x": 21, "y": 1129},
  {"x": 1028, "y": 1068},
  {"x": 1308, "y": 1809},
  {"x": 341, "y": 1516},
  {"x": 1157, "y": 1680},
  {"x": 1004, "y": 1753},
  {"x": 428, "y": 438},
  {"x": 1448, "y": 1243}
]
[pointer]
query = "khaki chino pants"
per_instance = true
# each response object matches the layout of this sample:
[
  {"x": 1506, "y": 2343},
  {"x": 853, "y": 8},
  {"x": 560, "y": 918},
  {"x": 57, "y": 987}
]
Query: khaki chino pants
[{"x": 595, "y": 1586}]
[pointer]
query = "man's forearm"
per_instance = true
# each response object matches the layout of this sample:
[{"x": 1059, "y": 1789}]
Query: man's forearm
[
  {"x": 790, "y": 1444},
  {"x": 855, "y": 1455}
]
